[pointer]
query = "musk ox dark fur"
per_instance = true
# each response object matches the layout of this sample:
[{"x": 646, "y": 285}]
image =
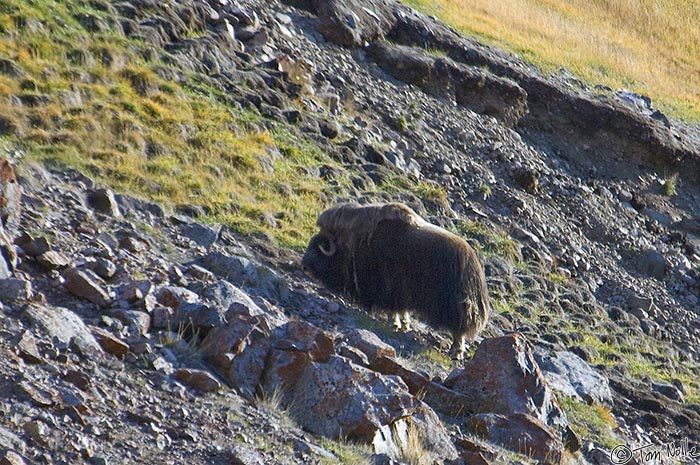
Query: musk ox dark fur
[{"x": 386, "y": 257}]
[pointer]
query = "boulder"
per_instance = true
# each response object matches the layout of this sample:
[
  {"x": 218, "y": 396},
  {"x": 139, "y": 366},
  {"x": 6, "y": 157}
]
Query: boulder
[
  {"x": 14, "y": 290},
  {"x": 103, "y": 201},
  {"x": 339, "y": 399},
  {"x": 353, "y": 22},
  {"x": 521, "y": 433},
  {"x": 87, "y": 285},
  {"x": 65, "y": 326},
  {"x": 369, "y": 344},
  {"x": 238, "y": 351},
  {"x": 572, "y": 375},
  {"x": 504, "y": 378},
  {"x": 439, "y": 397},
  {"x": 200, "y": 380}
]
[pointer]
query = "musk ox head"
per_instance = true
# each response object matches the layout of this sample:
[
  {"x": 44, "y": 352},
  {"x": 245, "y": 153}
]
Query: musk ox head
[{"x": 386, "y": 257}]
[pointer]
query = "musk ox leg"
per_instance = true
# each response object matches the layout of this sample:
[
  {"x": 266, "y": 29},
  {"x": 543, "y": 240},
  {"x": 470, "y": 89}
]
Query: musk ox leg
[
  {"x": 406, "y": 320},
  {"x": 459, "y": 346},
  {"x": 397, "y": 321},
  {"x": 402, "y": 321}
]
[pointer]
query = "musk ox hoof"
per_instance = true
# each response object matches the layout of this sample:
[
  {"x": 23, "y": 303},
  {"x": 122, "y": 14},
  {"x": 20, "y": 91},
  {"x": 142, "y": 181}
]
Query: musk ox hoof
[
  {"x": 402, "y": 321},
  {"x": 459, "y": 348}
]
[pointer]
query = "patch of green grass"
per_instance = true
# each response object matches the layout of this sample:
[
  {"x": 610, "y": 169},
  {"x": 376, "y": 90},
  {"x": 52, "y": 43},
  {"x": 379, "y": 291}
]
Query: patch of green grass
[
  {"x": 173, "y": 142},
  {"x": 489, "y": 242},
  {"x": 669, "y": 185},
  {"x": 641, "y": 361},
  {"x": 346, "y": 452},
  {"x": 591, "y": 422}
]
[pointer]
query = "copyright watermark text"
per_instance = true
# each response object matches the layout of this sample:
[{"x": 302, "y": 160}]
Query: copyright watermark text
[{"x": 681, "y": 451}]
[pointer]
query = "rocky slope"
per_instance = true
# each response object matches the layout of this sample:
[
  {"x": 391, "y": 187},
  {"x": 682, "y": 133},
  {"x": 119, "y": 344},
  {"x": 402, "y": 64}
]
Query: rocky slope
[{"x": 135, "y": 332}]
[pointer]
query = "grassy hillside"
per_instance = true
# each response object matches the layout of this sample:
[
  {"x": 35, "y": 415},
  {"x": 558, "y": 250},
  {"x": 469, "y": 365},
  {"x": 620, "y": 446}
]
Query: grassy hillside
[
  {"x": 648, "y": 46},
  {"x": 96, "y": 101}
]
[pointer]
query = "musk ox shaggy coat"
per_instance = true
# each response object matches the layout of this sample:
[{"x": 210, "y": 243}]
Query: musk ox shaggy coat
[{"x": 386, "y": 257}]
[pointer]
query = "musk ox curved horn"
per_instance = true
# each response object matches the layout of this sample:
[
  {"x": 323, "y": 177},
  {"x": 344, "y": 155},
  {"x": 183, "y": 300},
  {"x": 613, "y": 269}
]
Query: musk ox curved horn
[{"x": 330, "y": 251}]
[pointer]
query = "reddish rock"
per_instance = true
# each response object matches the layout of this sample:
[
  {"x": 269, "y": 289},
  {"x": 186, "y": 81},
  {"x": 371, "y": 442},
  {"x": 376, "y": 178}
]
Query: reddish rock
[
  {"x": 78, "y": 379},
  {"x": 339, "y": 399},
  {"x": 109, "y": 343},
  {"x": 27, "y": 349},
  {"x": 10, "y": 198},
  {"x": 238, "y": 351},
  {"x": 40, "y": 397},
  {"x": 520, "y": 433},
  {"x": 439, "y": 397},
  {"x": 286, "y": 367},
  {"x": 87, "y": 285},
  {"x": 174, "y": 296},
  {"x": 53, "y": 260},
  {"x": 504, "y": 378},
  {"x": 370, "y": 344},
  {"x": 308, "y": 338},
  {"x": 200, "y": 380}
]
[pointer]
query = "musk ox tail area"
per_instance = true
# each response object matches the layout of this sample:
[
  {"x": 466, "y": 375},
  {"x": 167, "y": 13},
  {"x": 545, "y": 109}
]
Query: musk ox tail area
[{"x": 386, "y": 256}]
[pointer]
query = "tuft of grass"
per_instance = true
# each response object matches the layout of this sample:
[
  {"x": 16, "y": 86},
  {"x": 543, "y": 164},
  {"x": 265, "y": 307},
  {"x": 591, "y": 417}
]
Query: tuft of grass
[
  {"x": 669, "y": 185},
  {"x": 412, "y": 449},
  {"x": 485, "y": 190},
  {"x": 489, "y": 242},
  {"x": 592, "y": 422},
  {"x": 346, "y": 452},
  {"x": 648, "y": 46}
]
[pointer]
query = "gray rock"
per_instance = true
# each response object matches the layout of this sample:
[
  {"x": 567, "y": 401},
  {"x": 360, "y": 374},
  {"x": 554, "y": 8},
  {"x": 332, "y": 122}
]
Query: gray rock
[
  {"x": 86, "y": 284},
  {"x": 15, "y": 290},
  {"x": 9, "y": 440},
  {"x": 668, "y": 390},
  {"x": 522, "y": 434},
  {"x": 65, "y": 326},
  {"x": 244, "y": 455},
  {"x": 202, "y": 235},
  {"x": 238, "y": 270},
  {"x": 369, "y": 344},
  {"x": 337, "y": 399},
  {"x": 53, "y": 260},
  {"x": 351, "y": 22},
  {"x": 570, "y": 374},
  {"x": 638, "y": 301},
  {"x": 103, "y": 201},
  {"x": 651, "y": 263},
  {"x": 104, "y": 268}
]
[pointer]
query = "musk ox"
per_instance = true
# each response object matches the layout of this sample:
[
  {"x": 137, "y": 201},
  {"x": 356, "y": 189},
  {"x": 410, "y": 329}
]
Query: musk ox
[{"x": 386, "y": 257}]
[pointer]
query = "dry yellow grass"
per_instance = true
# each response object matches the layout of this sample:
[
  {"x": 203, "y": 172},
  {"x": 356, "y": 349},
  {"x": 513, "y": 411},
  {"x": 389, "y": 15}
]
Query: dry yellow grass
[{"x": 648, "y": 46}]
